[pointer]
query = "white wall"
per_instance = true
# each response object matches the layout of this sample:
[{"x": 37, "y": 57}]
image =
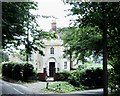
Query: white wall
[{"x": 58, "y": 56}]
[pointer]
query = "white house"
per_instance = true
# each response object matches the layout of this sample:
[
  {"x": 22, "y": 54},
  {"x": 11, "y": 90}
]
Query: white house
[{"x": 53, "y": 61}]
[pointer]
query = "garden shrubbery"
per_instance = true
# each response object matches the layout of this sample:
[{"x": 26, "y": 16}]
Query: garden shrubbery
[
  {"x": 63, "y": 76},
  {"x": 90, "y": 78},
  {"x": 93, "y": 78},
  {"x": 7, "y": 69},
  {"x": 28, "y": 72},
  {"x": 114, "y": 79},
  {"x": 18, "y": 71}
]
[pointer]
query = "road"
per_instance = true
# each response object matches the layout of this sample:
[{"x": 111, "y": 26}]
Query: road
[
  {"x": 11, "y": 88},
  {"x": 7, "y": 88}
]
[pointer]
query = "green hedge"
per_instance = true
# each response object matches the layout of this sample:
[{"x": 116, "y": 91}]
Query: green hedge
[
  {"x": 63, "y": 76},
  {"x": 7, "y": 68},
  {"x": 91, "y": 78},
  {"x": 28, "y": 72},
  {"x": 114, "y": 79},
  {"x": 18, "y": 71}
]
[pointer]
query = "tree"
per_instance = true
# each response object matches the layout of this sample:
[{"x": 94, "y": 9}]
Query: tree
[
  {"x": 14, "y": 22},
  {"x": 105, "y": 16},
  {"x": 68, "y": 42},
  {"x": 81, "y": 41},
  {"x": 19, "y": 27},
  {"x": 90, "y": 14}
]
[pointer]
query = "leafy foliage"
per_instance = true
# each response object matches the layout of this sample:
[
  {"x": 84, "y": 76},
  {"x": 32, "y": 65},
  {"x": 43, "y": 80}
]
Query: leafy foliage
[
  {"x": 102, "y": 15},
  {"x": 28, "y": 71},
  {"x": 3, "y": 57},
  {"x": 82, "y": 42},
  {"x": 19, "y": 27},
  {"x": 18, "y": 71},
  {"x": 7, "y": 69},
  {"x": 63, "y": 76},
  {"x": 92, "y": 15},
  {"x": 89, "y": 78},
  {"x": 15, "y": 17}
]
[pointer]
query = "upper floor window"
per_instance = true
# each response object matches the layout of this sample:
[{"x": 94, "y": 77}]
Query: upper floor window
[{"x": 51, "y": 50}]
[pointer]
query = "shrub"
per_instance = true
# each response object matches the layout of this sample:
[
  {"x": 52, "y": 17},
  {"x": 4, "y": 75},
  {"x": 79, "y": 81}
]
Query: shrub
[
  {"x": 17, "y": 71},
  {"x": 114, "y": 78},
  {"x": 90, "y": 78},
  {"x": 7, "y": 69},
  {"x": 74, "y": 79},
  {"x": 63, "y": 76},
  {"x": 28, "y": 72}
]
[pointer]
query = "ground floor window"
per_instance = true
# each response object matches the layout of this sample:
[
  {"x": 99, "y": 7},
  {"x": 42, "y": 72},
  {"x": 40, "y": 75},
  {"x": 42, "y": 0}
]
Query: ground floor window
[{"x": 65, "y": 65}]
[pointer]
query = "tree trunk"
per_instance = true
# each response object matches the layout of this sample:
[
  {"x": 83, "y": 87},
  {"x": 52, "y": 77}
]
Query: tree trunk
[
  {"x": 105, "y": 73},
  {"x": 71, "y": 63}
]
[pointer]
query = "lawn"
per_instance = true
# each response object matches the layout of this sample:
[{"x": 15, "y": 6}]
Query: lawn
[{"x": 61, "y": 87}]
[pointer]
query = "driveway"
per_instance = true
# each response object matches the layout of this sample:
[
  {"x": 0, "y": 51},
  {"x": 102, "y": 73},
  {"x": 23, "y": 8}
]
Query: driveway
[{"x": 38, "y": 87}]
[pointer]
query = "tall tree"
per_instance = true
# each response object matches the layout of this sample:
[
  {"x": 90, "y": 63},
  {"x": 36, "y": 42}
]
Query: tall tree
[
  {"x": 81, "y": 42},
  {"x": 105, "y": 16},
  {"x": 14, "y": 21},
  {"x": 19, "y": 27}
]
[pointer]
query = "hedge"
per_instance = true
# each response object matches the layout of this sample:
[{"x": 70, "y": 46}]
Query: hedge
[
  {"x": 18, "y": 71},
  {"x": 63, "y": 76},
  {"x": 92, "y": 78}
]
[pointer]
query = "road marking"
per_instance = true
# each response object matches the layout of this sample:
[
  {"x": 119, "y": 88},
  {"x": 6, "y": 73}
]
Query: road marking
[{"x": 18, "y": 91}]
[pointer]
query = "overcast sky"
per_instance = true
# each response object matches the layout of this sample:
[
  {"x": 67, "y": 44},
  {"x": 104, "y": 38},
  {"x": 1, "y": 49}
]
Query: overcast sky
[{"x": 55, "y": 8}]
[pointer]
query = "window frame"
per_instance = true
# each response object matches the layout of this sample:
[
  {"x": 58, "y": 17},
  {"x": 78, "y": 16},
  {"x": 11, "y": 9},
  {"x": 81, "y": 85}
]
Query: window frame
[
  {"x": 51, "y": 50},
  {"x": 65, "y": 65}
]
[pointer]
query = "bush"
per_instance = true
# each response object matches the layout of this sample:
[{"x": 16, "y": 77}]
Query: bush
[
  {"x": 7, "y": 69},
  {"x": 92, "y": 78},
  {"x": 89, "y": 78},
  {"x": 28, "y": 72},
  {"x": 74, "y": 80},
  {"x": 114, "y": 78},
  {"x": 17, "y": 71},
  {"x": 63, "y": 76}
]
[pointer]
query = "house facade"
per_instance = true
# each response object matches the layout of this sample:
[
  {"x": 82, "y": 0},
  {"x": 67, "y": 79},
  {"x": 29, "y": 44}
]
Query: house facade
[{"x": 53, "y": 61}]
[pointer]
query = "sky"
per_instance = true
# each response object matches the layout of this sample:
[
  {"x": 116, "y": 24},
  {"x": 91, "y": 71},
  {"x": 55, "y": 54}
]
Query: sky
[{"x": 55, "y": 8}]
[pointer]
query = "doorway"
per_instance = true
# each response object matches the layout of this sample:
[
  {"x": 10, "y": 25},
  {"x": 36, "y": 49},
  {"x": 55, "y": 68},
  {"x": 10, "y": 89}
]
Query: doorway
[{"x": 51, "y": 69}]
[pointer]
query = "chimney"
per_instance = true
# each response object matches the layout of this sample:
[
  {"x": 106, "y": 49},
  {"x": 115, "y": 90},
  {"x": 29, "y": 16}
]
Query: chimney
[{"x": 53, "y": 25}]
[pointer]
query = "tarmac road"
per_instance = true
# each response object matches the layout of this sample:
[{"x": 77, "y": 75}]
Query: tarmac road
[{"x": 12, "y": 89}]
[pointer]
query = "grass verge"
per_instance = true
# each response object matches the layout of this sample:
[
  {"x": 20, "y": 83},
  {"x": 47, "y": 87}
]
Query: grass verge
[{"x": 61, "y": 87}]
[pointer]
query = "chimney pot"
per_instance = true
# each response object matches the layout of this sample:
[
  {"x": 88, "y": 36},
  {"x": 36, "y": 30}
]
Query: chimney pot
[{"x": 53, "y": 25}]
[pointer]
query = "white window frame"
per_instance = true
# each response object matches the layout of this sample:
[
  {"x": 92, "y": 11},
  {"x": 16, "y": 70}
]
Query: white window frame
[{"x": 65, "y": 65}]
